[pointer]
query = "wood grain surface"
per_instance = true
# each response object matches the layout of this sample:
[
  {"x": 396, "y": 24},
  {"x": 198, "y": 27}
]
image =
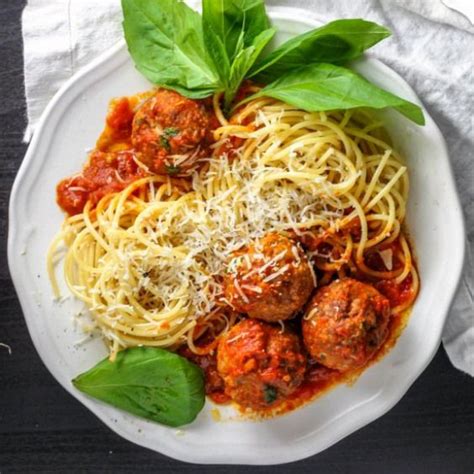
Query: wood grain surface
[{"x": 43, "y": 429}]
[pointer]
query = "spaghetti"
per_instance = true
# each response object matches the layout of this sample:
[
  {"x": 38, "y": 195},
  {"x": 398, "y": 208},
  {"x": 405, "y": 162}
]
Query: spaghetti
[{"x": 148, "y": 261}]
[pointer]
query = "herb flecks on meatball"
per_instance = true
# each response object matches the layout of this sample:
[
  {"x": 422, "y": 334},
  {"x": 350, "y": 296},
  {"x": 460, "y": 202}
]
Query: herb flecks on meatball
[
  {"x": 270, "y": 279},
  {"x": 171, "y": 133},
  {"x": 261, "y": 365},
  {"x": 345, "y": 323}
]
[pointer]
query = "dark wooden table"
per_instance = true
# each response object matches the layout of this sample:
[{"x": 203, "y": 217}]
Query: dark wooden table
[{"x": 43, "y": 429}]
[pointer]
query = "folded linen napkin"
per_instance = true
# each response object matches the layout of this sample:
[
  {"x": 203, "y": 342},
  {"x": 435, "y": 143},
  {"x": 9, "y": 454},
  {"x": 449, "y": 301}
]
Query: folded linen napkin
[{"x": 430, "y": 48}]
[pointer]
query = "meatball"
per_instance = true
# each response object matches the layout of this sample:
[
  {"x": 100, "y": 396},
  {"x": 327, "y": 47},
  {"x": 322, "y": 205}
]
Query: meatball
[
  {"x": 270, "y": 279},
  {"x": 171, "y": 132},
  {"x": 260, "y": 364},
  {"x": 345, "y": 323}
]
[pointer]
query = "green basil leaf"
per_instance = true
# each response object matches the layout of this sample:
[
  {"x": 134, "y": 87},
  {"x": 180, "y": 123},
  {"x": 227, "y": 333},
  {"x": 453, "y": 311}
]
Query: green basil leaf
[
  {"x": 243, "y": 62},
  {"x": 336, "y": 42},
  {"x": 229, "y": 19},
  {"x": 217, "y": 51},
  {"x": 165, "y": 40},
  {"x": 235, "y": 33},
  {"x": 320, "y": 87},
  {"x": 148, "y": 382}
]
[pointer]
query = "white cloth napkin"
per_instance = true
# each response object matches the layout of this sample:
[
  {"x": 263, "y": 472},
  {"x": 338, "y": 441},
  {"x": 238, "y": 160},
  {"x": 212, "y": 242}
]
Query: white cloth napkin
[{"x": 431, "y": 48}]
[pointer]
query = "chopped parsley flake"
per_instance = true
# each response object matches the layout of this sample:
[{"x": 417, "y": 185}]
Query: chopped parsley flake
[
  {"x": 270, "y": 394},
  {"x": 164, "y": 142},
  {"x": 172, "y": 170},
  {"x": 168, "y": 133}
]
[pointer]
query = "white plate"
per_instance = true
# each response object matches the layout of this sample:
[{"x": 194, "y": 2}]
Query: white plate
[
  {"x": 465, "y": 7},
  {"x": 70, "y": 126}
]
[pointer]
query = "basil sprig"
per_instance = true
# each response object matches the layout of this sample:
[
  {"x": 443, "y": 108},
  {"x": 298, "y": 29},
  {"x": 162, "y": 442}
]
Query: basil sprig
[
  {"x": 175, "y": 47},
  {"x": 235, "y": 33},
  {"x": 149, "y": 382},
  {"x": 337, "y": 42},
  {"x": 320, "y": 87}
]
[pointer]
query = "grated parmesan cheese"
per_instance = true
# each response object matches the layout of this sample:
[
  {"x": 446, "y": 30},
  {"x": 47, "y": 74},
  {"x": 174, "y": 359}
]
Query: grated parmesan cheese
[
  {"x": 167, "y": 254},
  {"x": 387, "y": 258},
  {"x": 279, "y": 272}
]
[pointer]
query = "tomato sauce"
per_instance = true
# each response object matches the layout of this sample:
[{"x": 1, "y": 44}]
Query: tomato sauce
[
  {"x": 111, "y": 166},
  {"x": 117, "y": 133},
  {"x": 317, "y": 379},
  {"x": 105, "y": 173},
  {"x": 397, "y": 293},
  {"x": 120, "y": 118}
]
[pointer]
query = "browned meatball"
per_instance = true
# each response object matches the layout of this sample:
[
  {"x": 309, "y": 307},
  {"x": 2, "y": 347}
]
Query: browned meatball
[
  {"x": 270, "y": 279},
  {"x": 171, "y": 132},
  {"x": 260, "y": 364},
  {"x": 345, "y": 323}
]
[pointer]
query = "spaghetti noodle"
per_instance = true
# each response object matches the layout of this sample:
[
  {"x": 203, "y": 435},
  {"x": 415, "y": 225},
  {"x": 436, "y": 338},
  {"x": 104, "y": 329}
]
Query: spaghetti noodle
[{"x": 148, "y": 261}]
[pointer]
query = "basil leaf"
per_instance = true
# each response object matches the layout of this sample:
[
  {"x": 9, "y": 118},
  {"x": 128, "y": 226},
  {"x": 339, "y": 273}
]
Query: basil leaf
[
  {"x": 235, "y": 21},
  {"x": 320, "y": 87},
  {"x": 165, "y": 40},
  {"x": 148, "y": 382},
  {"x": 336, "y": 42},
  {"x": 235, "y": 33},
  {"x": 243, "y": 62},
  {"x": 217, "y": 51}
]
